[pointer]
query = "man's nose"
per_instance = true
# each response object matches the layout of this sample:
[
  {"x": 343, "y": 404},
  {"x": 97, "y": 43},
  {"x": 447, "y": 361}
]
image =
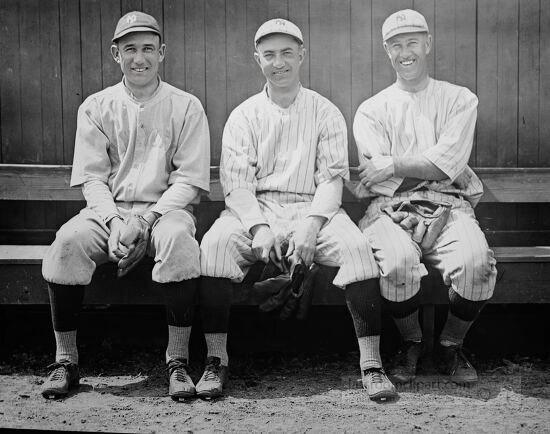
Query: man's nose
[{"x": 278, "y": 62}]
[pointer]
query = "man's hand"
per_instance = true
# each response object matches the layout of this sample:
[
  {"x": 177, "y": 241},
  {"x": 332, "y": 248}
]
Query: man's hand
[
  {"x": 116, "y": 251},
  {"x": 263, "y": 242},
  {"x": 376, "y": 170},
  {"x": 304, "y": 239},
  {"x": 135, "y": 237}
]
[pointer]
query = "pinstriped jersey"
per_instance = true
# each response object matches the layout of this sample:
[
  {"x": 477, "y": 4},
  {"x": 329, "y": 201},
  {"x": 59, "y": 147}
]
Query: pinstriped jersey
[
  {"x": 270, "y": 148},
  {"x": 437, "y": 122}
]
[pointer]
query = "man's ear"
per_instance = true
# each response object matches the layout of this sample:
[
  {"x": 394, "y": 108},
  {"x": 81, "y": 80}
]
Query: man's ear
[
  {"x": 386, "y": 49},
  {"x": 428, "y": 43},
  {"x": 115, "y": 53},
  {"x": 162, "y": 52},
  {"x": 302, "y": 53},
  {"x": 257, "y": 58}
]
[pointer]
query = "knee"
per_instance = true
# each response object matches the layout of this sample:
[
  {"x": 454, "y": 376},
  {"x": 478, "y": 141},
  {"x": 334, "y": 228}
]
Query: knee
[
  {"x": 479, "y": 263},
  {"x": 394, "y": 262},
  {"x": 216, "y": 241}
]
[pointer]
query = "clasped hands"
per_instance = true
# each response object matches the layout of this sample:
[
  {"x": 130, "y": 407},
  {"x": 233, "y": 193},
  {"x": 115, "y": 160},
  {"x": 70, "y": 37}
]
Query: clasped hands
[
  {"x": 128, "y": 242},
  {"x": 302, "y": 243}
]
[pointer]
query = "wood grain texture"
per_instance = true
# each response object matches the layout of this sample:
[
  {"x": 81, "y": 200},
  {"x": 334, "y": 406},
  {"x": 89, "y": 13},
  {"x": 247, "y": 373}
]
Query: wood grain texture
[{"x": 48, "y": 182}]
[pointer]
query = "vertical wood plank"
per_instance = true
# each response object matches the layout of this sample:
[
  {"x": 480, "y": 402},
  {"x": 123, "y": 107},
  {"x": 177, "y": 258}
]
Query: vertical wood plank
[
  {"x": 256, "y": 15},
  {"x": 529, "y": 71},
  {"x": 383, "y": 73},
  {"x": 156, "y": 9},
  {"x": 216, "y": 74},
  {"x": 71, "y": 77},
  {"x": 31, "y": 107},
  {"x": 277, "y": 9},
  {"x": 487, "y": 82},
  {"x": 361, "y": 62},
  {"x": 319, "y": 50},
  {"x": 444, "y": 42},
  {"x": 110, "y": 13},
  {"x": 427, "y": 8},
  {"x": 174, "y": 33},
  {"x": 238, "y": 56},
  {"x": 90, "y": 37},
  {"x": 130, "y": 5},
  {"x": 544, "y": 87},
  {"x": 507, "y": 115},
  {"x": 465, "y": 52},
  {"x": 298, "y": 13},
  {"x": 195, "y": 49},
  {"x": 50, "y": 78},
  {"x": 340, "y": 65},
  {"x": 10, "y": 84}
]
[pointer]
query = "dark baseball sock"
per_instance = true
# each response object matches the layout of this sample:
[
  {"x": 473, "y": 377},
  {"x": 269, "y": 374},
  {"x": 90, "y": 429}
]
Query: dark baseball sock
[
  {"x": 179, "y": 301},
  {"x": 65, "y": 305},
  {"x": 215, "y": 296},
  {"x": 405, "y": 316},
  {"x": 365, "y": 305},
  {"x": 462, "y": 314}
]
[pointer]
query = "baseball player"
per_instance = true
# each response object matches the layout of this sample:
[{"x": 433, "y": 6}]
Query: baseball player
[
  {"x": 284, "y": 160},
  {"x": 414, "y": 140},
  {"x": 142, "y": 158}
]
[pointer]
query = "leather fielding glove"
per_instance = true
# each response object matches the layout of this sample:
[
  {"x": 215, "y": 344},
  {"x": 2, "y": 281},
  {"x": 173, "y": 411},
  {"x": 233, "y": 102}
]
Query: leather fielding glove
[
  {"x": 135, "y": 237},
  {"x": 424, "y": 218}
]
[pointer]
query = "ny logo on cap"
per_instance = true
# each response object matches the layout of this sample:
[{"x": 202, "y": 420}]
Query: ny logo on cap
[
  {"x": 131, "y": 19},
  {"x": 280, "y": 22},
  {"x": 401, "y": 17}
]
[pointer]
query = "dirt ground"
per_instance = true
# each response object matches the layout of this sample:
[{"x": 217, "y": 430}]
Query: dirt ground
[{"x": 127, "y": 393}]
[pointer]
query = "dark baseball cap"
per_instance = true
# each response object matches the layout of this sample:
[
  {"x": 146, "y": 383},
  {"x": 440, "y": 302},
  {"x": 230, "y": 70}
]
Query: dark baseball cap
[{"x": 136, "y": 22}]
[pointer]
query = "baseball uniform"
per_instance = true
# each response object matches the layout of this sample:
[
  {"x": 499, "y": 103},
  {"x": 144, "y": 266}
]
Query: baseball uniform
[
  {"x": 273, "y": 162},
  {"x": 437, "y": 122},
  {"x": 133, "y": 157}
]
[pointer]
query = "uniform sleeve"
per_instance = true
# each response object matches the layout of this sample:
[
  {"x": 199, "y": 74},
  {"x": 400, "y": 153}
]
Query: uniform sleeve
[
  {"x": 191, "y": 164},
  {"x": 327, "y": 199},
  {"x": 191, "y": 161},
  {"x": 372, "y": 140},
  {"x": 453, "y": 149},
  {"x": 91, "y": 160},
  {"x": 238, "y": 171},
  {"x": 332, "y": 150}
]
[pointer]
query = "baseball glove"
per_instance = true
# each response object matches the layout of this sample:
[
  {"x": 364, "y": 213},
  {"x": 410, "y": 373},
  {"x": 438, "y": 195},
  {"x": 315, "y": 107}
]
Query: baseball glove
[
  {"x": 135, "y": 237},
  {"x": 424, "y": 218}
]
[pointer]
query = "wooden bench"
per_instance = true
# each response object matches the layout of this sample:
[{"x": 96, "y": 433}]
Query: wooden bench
[{"x": 524, "y": 271}]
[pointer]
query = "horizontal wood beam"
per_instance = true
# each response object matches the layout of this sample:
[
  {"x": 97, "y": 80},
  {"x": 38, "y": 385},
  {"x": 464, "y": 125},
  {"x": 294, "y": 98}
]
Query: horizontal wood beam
[{"x": 52, "y": 183}]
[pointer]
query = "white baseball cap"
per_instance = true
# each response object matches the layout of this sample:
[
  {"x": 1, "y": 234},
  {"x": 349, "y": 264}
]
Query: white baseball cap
[
  {"x": 405, "y": 21},
  {"x": 278, "y": 25},
  {"x": 136, "y": 21}
]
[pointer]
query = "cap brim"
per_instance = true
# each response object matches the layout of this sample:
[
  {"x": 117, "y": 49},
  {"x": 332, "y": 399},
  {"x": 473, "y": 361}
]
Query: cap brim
[
  {"x": 277, "y": 33},
  {"x": 134, "y": 30},
  {"x": 406, "y": 29}
]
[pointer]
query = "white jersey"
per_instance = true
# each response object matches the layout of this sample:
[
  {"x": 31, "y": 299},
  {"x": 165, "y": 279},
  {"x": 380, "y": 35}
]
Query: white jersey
[
  {"x": 291, "y": 150},
  {"x": 437, "y": 122}
]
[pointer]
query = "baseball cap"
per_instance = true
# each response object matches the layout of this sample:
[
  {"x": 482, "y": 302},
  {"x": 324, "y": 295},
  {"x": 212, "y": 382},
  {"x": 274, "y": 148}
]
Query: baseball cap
[
  {"x": 136, "y": 22},
  {"x": 278, "y": 25},
  {"x": 405, "y": 21}
]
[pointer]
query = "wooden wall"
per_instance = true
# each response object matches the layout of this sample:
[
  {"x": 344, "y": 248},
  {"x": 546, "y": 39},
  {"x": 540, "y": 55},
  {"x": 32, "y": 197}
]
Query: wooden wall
[{"x": 54, "y": 53}]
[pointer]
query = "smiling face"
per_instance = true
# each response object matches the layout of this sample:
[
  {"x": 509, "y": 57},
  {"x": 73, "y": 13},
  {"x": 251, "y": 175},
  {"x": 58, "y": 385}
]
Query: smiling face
[
  {"x": 279, "y": 57},
  {"x": 408, "y": 53},
  {"x": 139, "y": 55}
]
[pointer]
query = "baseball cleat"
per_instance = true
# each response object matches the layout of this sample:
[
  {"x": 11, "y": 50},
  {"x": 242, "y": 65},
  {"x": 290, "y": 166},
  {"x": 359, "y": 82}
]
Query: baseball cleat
[
  {"x": 63, "y": 376},
  {"x": 213, "y": 379},
  {"x": 377, "y": 384},
  {"x": 453, "y": 362},
  {"x": 404, "y": 369},
  {"x": 181, "y": 385}
]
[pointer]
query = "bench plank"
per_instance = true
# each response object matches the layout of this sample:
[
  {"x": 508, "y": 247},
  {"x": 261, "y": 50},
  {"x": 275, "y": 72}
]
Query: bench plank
[{"x": 52, "y": 182}]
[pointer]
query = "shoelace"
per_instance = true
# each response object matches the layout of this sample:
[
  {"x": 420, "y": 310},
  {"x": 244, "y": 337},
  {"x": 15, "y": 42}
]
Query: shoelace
[
  {"x": 58, "y": 373},
  {"x": 211, "y": 372},
  {"x": 179, "y": 368},
  {"x": 376, "y": 375}
]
